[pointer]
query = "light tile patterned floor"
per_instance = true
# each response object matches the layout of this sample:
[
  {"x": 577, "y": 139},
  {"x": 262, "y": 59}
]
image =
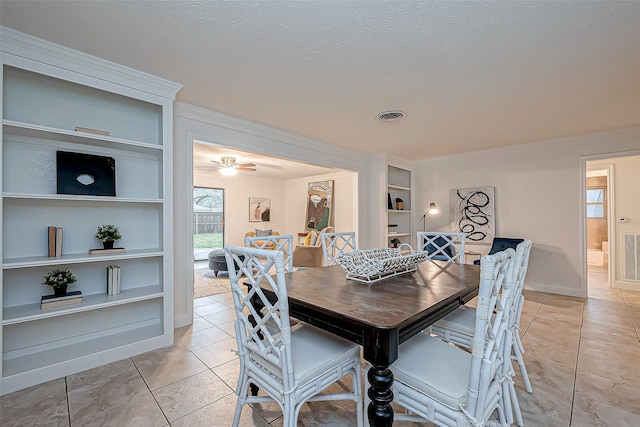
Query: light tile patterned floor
[{"x": 583, "y": 358}]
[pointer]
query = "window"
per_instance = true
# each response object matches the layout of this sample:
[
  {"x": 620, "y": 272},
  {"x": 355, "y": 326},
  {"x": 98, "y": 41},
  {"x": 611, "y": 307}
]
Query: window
[
  {"x": 596, "y": 203},
  {"x": 208, "y": 221}
]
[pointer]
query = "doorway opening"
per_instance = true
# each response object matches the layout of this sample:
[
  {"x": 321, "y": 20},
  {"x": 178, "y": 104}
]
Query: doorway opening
[
  {"x": 208, "y": 221},
  {"x": 599, "y": 211},
  {"x": 208, "y": 235}
]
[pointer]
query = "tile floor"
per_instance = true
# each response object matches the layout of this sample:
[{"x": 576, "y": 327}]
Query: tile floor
[{"x": 583, "y": 359}]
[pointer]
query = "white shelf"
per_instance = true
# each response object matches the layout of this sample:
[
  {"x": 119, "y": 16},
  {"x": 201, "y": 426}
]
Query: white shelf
[
  {"x": 74, "y": 198},
  {"x": 39, "y": 261},
  {"x": 398, "y": 187},
  {"x": 67, "y": 353},
  {"x": 42, "y": 104},
  {"x": 32, "y": 312},
  {"x": 70, "y": 136}
]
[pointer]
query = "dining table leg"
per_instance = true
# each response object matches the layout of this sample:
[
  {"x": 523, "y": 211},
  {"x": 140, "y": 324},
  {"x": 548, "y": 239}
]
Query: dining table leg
[{"x": 379, "y": 411}]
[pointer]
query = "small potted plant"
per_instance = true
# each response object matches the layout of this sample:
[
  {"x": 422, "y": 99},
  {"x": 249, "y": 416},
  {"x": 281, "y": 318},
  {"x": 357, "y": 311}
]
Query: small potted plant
[
  {"x": 395, "y": 242},
  {"x": 59, "y": 279},
  {"x": 108, "y": 234}
]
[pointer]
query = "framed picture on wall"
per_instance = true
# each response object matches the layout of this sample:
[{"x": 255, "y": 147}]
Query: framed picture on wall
[
  {"x": 259, "y": 209},
  {"x": 319, "y": 205},
  {"x": 472, "y": 212}
]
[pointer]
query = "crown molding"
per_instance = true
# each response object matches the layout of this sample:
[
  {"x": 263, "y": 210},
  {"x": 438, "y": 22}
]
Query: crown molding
[
  {"x": 193, "y": 112},
  {"x": 34, "y": 49}
]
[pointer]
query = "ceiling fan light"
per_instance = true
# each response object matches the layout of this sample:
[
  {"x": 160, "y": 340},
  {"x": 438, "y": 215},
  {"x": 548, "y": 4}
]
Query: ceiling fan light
[{"x": 228, "y": 171}]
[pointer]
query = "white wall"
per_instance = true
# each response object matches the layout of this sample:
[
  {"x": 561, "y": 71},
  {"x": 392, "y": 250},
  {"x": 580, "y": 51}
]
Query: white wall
[
  {"x": 191, "y": 122},
  {"x": 539, "y": 195}
]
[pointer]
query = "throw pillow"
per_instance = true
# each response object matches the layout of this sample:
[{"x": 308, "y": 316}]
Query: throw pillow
[
  {"x": 307, "y": 239},
  {"x": 262, "y": 233},
  {"x": 314, "y": 239}
]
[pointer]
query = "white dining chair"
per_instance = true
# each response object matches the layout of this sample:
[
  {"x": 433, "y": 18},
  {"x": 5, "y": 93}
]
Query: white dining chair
[
  {"x": 442, "y": 246},
  {"x": 291, "y": 365},
  {"x": 458, "y": 327},
  {"x": 445, "y": 385},
  {"x": 282, "y": 243},
  {"x": 333, "y": 244}
]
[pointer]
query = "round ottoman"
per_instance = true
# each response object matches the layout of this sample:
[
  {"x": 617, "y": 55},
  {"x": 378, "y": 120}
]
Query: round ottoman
[{"x": 217, "y": 261}]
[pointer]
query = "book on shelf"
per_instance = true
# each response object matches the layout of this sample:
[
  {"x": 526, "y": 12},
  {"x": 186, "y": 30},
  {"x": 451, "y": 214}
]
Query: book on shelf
[
  {"x": 89, "y": 130},
  {"x": 50, "y": 301},
  {"x": 55, "y": 241},
  {"x": 58, "y": 241},
  {"x": 106, "y": 251},
  {"x": 109, "y": 280},
  {"x": 52, "y": 240},
  {"x": 113, "y": 279}
]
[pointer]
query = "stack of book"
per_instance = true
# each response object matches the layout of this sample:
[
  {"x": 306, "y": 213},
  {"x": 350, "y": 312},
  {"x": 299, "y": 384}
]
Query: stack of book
[
  {"x": 55, "y": 241},
  {"x": 50, "y": 301},
  {"x": 106, "y": 251},
  {"x": 113, "y": 279}
]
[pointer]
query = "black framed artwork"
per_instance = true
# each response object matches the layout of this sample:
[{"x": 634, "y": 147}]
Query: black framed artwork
[{"x": 85, "y": 174}]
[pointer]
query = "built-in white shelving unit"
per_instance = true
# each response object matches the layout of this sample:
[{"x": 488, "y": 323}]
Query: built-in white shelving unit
[
  {"x": 48, "y": 91},
  {"x": 399, "y": 220}
]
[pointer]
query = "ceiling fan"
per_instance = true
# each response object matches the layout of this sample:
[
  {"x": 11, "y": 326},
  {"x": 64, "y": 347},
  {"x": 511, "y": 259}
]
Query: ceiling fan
[{"x": 230, "y": 167}]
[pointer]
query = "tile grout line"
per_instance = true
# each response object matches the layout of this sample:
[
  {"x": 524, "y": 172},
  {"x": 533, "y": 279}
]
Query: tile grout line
[
  {"x": 575, "y": 373},
  {"x": 150, "y": 391},
  {"x": 66, "y": 390}
]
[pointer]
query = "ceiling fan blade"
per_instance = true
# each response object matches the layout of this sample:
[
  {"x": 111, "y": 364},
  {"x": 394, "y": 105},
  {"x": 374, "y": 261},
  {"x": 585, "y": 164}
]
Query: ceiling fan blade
[
  {"x": 245, "y": 169},
  {"x": 245, "y": 165},
  {"x": 217, "y": 163}
]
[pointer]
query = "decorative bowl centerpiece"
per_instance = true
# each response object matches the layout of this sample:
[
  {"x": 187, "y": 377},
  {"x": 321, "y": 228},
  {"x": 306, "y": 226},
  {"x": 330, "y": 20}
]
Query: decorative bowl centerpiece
[{"x": 373, "y": 265}]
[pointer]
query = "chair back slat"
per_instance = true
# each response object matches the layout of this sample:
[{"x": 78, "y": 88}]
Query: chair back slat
[
  {"x": 495, "y": 296},
  {"x": 521, "y": 264},
  {"x": 282, "y": 243},
  {"x": 442, "y": 246},
  {"x": 262, "y": 334},
  {"x": 333, "y": 244}
]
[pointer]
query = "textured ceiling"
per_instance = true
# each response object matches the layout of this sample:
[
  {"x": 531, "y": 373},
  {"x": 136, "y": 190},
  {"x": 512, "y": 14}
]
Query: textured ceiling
[{"x": 469, "y": 75}]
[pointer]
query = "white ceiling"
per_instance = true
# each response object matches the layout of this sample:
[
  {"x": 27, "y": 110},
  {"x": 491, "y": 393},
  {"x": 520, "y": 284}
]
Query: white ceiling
[{"x": 469, "y": 75}]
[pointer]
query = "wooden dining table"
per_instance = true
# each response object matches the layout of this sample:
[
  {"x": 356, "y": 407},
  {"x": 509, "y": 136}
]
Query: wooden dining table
[{"x": 381, "y": 315}]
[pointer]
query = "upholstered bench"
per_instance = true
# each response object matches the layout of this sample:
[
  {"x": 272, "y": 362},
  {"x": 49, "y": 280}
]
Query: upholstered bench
[{"x": 217, "y": 261}]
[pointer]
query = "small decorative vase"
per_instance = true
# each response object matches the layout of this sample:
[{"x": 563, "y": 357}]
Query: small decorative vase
[
  {"x": 107, "y": 245},
  {"x": 60, "y": 291}
]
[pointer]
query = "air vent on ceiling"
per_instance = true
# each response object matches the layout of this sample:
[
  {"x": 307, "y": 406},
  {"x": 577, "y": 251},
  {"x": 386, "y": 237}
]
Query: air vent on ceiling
[{"x": 389, "y": 116}]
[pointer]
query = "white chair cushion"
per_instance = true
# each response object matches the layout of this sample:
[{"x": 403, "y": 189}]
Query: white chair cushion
[
  {"x": 463, "y": 319},
  {"x": 315, "y": 351},
  {"x": 435, "y": 368}
]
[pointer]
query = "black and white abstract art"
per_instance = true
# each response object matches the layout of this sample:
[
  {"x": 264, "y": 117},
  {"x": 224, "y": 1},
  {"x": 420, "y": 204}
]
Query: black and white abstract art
[{"x": 472, "y": 212}]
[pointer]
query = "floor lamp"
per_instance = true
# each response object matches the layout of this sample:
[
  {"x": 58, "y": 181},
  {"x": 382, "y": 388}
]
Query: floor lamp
[{"x": 433, "y": 209}]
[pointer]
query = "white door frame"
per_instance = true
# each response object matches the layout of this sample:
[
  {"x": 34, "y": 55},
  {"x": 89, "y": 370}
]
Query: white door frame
[
  {"x": 610, "y": 211},
  {"x": 611, "y": 215}
]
